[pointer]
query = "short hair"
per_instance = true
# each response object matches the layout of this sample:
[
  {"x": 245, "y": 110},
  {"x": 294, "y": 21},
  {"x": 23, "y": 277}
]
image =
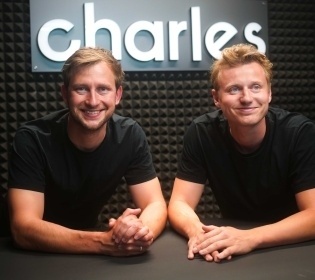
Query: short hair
[
  {"x": 88, "y": 56},
  {"x": 237, "y": 55}
]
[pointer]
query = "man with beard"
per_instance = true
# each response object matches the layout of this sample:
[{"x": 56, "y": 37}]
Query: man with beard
[{"x": 66, "y": 165}]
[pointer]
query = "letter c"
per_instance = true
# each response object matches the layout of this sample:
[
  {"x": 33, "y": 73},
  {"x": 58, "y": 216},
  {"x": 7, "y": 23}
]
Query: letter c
[{"x": 43, "y": 42}]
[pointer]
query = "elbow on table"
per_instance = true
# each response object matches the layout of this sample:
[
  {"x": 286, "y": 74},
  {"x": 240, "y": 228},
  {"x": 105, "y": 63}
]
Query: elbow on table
[{"x": 20, "y": 237}]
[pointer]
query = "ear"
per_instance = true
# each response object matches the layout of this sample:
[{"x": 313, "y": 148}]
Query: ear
[
  {"x": 270, "y": 95},
  {"x": 64, "y": 93},
  {"x": 215, "y": 98},
  {"x": 119, "y": 92}
]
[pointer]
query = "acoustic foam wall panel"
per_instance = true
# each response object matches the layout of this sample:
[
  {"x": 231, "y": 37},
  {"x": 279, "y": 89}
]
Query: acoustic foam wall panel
[{"x": 164, "y": 103}]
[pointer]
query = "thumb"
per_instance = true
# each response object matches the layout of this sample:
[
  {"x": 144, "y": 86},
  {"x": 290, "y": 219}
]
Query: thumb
[
  {"x": 111, "y": 222},
  {"x": 131, "y": 211},
  {"x": 208, "y": 228}
]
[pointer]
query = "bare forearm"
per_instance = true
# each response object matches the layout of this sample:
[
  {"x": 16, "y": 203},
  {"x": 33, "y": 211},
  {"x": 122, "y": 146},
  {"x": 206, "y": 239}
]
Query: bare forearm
[
  {"x": 296, "y": 228},
  {"x": 44, "y": 236},
  {"x": 154, "y": 216},
  {"x": 184, "y": 219}
]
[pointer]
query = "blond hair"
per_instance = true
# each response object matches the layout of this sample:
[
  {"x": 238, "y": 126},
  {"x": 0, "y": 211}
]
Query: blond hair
[
  {"x": 88, "y": 56},
  {"x": 237, "y": 55}
]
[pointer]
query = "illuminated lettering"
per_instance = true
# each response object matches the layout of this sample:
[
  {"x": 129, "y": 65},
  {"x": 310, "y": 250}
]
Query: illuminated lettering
[
  {"x": 91, "y": 27},
  {"x": 216, "y": 37},
  {"x": 251, "y": 38},
  {"x": 43, "y": 40},
  {"x": 213, "y": 46},
  {"x": 196, "y": 33},
  {"x": 175, "y": 29},
  {"x": 156, "y": 30}
]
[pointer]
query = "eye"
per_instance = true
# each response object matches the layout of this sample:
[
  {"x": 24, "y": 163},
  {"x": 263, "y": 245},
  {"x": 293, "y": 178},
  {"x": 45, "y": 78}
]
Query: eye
[
  {"x": 102, "y": 90},
  {"x": 81, "y": 90},
  {"x": 234, "y": 90},
  {"x": 256, "y": 88}
]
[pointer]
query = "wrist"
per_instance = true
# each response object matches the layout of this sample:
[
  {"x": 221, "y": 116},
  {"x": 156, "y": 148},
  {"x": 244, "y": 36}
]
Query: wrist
[
  {"x": 255, "y": 238},
  {"x": 102, "y": 242},
  {"x": 194, "y": 230}
]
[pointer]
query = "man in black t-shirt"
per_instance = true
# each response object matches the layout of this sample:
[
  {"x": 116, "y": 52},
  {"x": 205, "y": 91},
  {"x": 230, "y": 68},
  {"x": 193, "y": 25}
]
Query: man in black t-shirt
[
  {"x": 65, "y": 166},
  {"x": 259, "y": 162}
]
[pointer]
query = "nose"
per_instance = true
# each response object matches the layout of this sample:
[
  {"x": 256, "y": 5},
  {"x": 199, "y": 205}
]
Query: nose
[
  {"x": 246, "y": 96},
  {"x": 92, "y": 98}
]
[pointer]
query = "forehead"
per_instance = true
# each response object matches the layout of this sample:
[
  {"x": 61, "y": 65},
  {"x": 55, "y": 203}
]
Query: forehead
[
  {"x": 98, "y": 71},
  {"x": 244, "y": 72}
]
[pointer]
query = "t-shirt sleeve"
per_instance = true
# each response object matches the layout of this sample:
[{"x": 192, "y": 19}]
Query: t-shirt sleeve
[
  {"x": 141, "y": 168},
  {"x": 26, "y": 163},
  {"x": 191, "y": 166},
  {"x": 303, "y": 158}
]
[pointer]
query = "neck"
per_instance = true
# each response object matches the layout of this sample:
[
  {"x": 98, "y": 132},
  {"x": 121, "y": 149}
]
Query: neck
[
  {"x": 85, "y": 139},
  {"x": 248, "y": 139}
]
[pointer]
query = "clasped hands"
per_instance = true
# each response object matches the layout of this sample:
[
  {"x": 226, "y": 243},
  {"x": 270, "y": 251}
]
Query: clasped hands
[
  {"x": 220, "y": 243},
  {"x": 129, "y": 234}
]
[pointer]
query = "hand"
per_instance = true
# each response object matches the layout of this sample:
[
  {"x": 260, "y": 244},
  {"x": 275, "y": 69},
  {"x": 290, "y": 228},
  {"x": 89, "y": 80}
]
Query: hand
[
  {"x": 192, "y": 243},
  {"x": 128, "y": 231},
  {"x": 223, "y": 242},
  {"x": 110, "y": 247}
]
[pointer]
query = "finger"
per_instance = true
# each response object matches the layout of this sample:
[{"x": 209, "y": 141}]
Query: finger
[
  {"x": 212, "y": 231},
  {"x": 138, "y": 243},
  {"x": 130, "y": 233},
  {"x": 111, "y": 222},
  {"x": 196, "y": 243},
  {"x": 208, "y": 237},
  {"x": 209, "y": 228},
  {"x": 135, "y": 247},
  {"x": 129, "y": 249},
  {"x": 208, "y": 257},
  {"x": 122, "y": 225},
  {"x": 212, "y": 241},
  {"x": 129, "y": 227},
  {"x": 215, "y": 256},
  {"x": 143, "y": 233},
  {"x": 124, "y": 222},
  {"x": 211, "y": 245},
  {"x": 131, "y": 211},
  {"x": 225, "y": 254},
  {"x": 118, "y": 232},
  {"x": 117, "y": 235},
  {"x": 191, "y": 254}
]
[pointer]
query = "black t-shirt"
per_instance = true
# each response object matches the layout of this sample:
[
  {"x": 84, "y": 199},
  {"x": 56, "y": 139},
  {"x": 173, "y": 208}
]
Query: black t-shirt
[
  {"x": 77, "y": 184},
  {"x": 260, "y": 186}
]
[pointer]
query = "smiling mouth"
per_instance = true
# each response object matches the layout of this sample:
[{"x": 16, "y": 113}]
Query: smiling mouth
[
  {"x": 246, "y": 110},
  {"x": 89, "y": 112},
  {"x": 92, "y": 113}
]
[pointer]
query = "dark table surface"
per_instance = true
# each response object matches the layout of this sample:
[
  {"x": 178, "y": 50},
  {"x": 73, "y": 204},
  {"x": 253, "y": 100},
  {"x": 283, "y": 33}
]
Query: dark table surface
[{"x": 167, "y": 259}]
